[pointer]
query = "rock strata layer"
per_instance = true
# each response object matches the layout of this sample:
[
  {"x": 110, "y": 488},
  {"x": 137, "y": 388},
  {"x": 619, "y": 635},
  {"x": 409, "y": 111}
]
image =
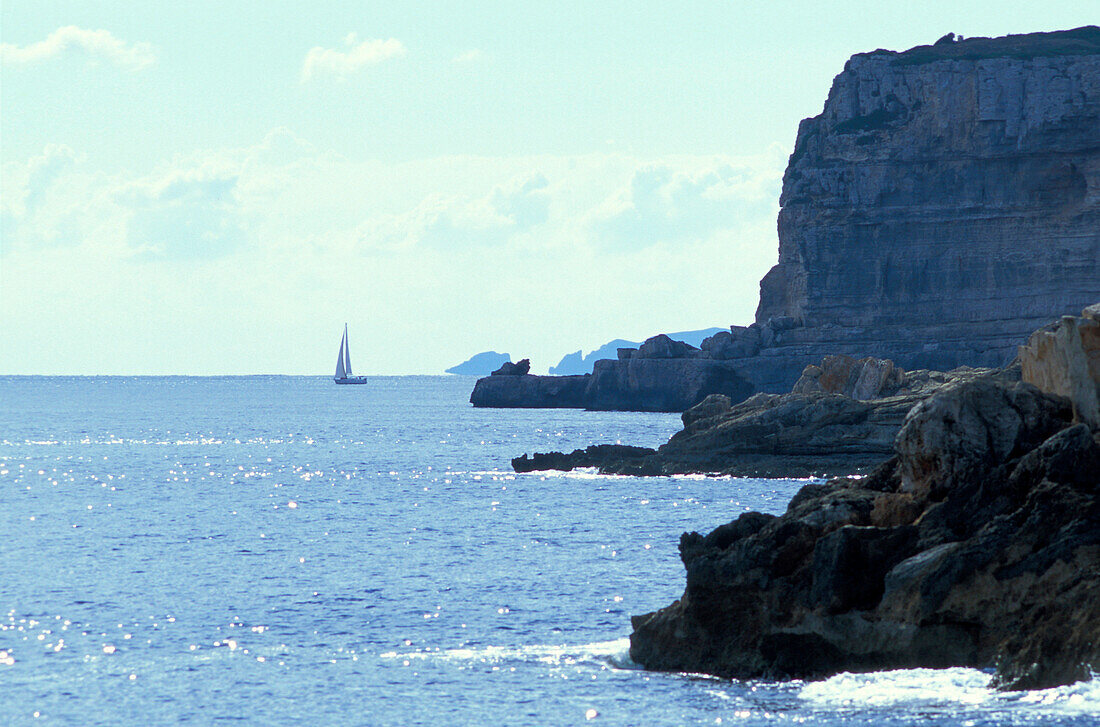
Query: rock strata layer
[
  {"x": 944, "y": 204},
  {"x": 976, "y": 544}
]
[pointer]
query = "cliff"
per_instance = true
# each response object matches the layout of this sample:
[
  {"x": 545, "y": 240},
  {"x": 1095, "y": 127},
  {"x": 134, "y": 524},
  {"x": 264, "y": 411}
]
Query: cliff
[{"x": 944, "y": 204}]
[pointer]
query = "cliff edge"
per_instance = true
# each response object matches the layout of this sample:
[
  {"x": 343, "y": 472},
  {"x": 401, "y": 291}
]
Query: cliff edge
[{"x": 943, "y": 205}]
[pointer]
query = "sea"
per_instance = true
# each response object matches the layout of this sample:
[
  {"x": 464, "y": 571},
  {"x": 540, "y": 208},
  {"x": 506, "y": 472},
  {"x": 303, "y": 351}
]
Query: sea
[{"x": 281, "y": 550}]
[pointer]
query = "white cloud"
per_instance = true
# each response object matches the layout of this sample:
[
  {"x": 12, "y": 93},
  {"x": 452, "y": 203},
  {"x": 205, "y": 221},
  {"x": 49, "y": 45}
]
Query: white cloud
[
  {"x": 471, "y": 56},
  {"x": 330, "y": 62},
  {"x": 96, "y": 44},
  {"x": 666, "y": 202},
  {"x": 207, "y": 257}
]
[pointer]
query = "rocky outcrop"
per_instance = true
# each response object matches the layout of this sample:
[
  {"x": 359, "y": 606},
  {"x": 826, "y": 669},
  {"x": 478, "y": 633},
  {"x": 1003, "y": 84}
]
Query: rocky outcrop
[
  {"x": 944, "y": 204},
  {"x": 977, "y": 544},
  {"x": 527, "y": 391},
  {"x": 519, "y": 368},
  {"x": 820, "y": 429},
  {"x": 661, "y": 375},
  {"x": 1066, "y": 361},
  {"x": 578, "y": 363}
]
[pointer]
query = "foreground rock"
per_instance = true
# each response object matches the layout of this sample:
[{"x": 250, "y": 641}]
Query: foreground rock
[
  {"x": 978, "y": 545},
  {"x": 820, "y": 428},
  {"x": 1066, "y": 360}
]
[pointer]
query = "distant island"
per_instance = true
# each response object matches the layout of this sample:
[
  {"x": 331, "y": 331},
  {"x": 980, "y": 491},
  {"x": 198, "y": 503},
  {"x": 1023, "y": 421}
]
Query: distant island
[
  {"x": 481, "y": 364},
  {"x": 577, "y": 363}
]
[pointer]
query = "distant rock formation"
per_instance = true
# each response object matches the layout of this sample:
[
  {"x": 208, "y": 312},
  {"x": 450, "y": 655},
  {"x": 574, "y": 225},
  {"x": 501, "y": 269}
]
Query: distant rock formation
[
  {"x": 577, "y": 363},
  {"x": 944, "y": 204},
  {"x": 481, "y": 364},
  {"x": 661, "y": 375},
  {"x": 842, "y": 418},
  {"x": 977, "y": 544}
]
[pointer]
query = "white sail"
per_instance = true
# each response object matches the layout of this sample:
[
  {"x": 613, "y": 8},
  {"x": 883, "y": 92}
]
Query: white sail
[
  {"x": 347, "y": 353},
  {"x": 341, "y": 370}
]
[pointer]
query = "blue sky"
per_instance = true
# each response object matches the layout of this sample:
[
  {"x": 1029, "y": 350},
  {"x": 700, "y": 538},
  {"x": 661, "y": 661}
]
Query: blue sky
[{"x": 206, "y": 188}]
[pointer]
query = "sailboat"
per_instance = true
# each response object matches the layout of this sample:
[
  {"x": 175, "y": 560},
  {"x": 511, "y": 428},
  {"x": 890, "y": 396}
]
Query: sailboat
[{"x": 343, "y": 364}]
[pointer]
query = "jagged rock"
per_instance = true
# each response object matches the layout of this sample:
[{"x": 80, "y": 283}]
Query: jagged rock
[
  {"x": 738, "y": 342},
  {"x": 992, "y": 565},
  {"x": 713, "y": 406},
  {"x": 661, "y": 384},
  {"x": 965, "y": 429},
  {"x": 791, "y": 435},
  {"x": 588, "y": 457},
  {"x": 1066, "y": 361},
  {"x": 519, "y": 368},
  {"x": 867, "y": 378},
  {"x": 662, "y": 346}
]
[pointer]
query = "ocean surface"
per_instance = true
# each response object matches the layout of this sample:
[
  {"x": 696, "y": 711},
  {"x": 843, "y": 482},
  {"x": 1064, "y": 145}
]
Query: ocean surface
[{"x": 281, "y": 550}]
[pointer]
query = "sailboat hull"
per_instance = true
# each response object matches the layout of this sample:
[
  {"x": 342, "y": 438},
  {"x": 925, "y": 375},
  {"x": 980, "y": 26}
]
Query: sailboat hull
[{"x": 351, "y": 380}]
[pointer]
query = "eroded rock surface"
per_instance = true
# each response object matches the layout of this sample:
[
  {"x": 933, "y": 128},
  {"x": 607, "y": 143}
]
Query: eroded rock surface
[
  {"x": 977, "y": 544},
  {"x": 814, "y": 430},
  {"x": 1066, "y": 360}
]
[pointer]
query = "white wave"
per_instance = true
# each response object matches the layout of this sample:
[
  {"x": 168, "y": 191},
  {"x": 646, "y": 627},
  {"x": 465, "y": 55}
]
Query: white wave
[
  {"x": 945, "y": 687},
  {"x": 613, "y": 653},
  {"x": 888, "y": 688}
]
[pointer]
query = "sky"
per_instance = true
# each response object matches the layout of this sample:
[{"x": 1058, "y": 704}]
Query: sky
[{"x": 217, "y": 187}]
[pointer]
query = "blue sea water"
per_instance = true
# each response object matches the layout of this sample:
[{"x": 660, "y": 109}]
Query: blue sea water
[{"x": 281, "y": 550}]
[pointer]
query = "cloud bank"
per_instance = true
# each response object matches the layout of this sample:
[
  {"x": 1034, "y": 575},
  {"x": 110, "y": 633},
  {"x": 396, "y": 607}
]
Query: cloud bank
[
  {"x": 95, "y": 44},
  {"x": 339, "y": 64},
  {"x": 207, "y": 257}
]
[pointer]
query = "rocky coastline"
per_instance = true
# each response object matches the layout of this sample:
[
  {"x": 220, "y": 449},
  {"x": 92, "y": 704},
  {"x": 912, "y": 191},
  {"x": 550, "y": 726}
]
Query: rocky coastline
[
  {"x": 944, "y": 204},
  {"x": 976, "y": 544},
  {"x": 841, "y": 418}
]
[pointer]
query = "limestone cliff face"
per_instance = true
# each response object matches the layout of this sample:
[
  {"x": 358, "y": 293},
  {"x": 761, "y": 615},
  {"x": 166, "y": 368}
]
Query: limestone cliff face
[{"x": 944, "y": 204}]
